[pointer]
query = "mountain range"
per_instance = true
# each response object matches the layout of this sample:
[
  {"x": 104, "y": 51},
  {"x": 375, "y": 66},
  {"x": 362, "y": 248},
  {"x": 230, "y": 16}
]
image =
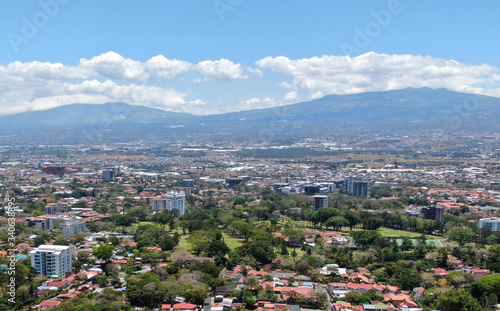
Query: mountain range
[{"x": 406, "y": 109}]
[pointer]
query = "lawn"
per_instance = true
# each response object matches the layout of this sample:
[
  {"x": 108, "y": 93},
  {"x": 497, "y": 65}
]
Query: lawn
[{"x": 230, "y": 241}]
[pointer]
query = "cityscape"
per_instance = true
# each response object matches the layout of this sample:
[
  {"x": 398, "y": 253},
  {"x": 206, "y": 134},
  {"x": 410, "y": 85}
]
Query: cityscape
[{"x": 235, "y": 155}]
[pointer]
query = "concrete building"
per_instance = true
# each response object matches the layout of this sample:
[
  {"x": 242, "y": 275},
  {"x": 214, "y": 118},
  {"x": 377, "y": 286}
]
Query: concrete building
[
  {"x": 492, "y": 223},
  {"x": 54, "y": 208},
  {"x": 44, "y": 222},
  {"x": 72, "y": 225},
  {"x": 54, "y": 170},
  {"x": 434, "y": 212},
  {"x": 188, "y": 182},
  {"x": 311, "y": 190},
  {"x": 233, "y": 182},
  {"x": 108, "y": 174},
  {"x": 358, "y": 187},
  {"x": 320, "y": 201},
  {"x": 52, "y": 260},
  {"x": 170, "y": 201},
  {"x": 186, "y": 190}
]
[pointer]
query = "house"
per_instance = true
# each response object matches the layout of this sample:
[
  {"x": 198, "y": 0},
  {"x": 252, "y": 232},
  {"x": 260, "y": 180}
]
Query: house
[
  {"x": 48, "y": 304},
  {"x": 184, "y": 306},
  {"x": 222, "y": 290}
]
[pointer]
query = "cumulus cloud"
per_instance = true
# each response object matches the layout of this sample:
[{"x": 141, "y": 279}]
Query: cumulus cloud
[
  {"x": 110, "y": 77},
  {"x": 114, "y": 66},
  {"x": 167, "y": 68},
  {"x": 222, "y": 69},
  {"x": 318, "y": 76},
  {"x": 291, "y": 96}
]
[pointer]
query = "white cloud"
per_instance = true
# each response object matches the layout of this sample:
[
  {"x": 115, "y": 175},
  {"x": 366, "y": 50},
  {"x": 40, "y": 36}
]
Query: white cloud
[
  {"x": 254, "y": 70},
  {"x": 167, "y": 68},
  {"x": 222, "y": 69},
  {"x": 284, "y": 84},
  {"x": 289, "y": 97},
  {"x": 318, "y": 76},
  {"x": 114, "y": 66},
  {"x": 110, "y": 77}
]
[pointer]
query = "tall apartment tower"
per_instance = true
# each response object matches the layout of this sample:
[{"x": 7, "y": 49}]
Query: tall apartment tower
[
  {"x": 170, "y": 201},
  {"x": 434, "y": 212},
  {"x": 52, "y": 260},
  {"x": 320, "y": 201}
]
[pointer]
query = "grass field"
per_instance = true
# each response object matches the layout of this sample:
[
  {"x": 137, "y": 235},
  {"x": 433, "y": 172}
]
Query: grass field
[{"x": 230, "y": 241}]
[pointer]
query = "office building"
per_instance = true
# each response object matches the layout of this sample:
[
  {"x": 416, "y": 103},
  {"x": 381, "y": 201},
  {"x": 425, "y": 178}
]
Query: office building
[
  {"x": 108, "y": 174},
  {"x": 233, "y": 182},
  {"x": 358, "y": 187},
  {"x": 188, "y": 182},
  {"x": 311, "y": 190},
  {"x": 52, "y": 260},
  {"x": 492, "y": 223},
  {"x": 320, "y": 201},
  {"x": 278, "y": 187},
  {"x": 54, "y": 170}
]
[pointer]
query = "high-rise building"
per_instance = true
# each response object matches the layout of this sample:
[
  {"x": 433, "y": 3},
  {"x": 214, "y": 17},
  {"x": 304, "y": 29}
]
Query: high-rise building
[
  {"x": 233, "y": 182},
  {"x": 434, "y": 212},
  {"x": 170, "y": 201},
  {"x": 358, "y": 187},
  {"x": 71, "y": 226},
  {"x": 492, "y": 223},
  {"x": 176, "y": 200},
  {"x": 52, "y": 260},
  {"x": 311, "y": 190},
  {"x": 187, "y": 190},
  {"x": 320, "y": 201},
  {"x": 108, "y": 174},
  {"x": 54, "y": 208}
]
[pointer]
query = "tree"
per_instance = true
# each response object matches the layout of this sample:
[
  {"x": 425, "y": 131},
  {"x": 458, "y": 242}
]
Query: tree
[
  {"x": 218, "y": 248},
  {"x": 103, "y": 252},
  {"x": 61, "y": 241},
  {"x": 196, "y": 295},
  {"x": 251, "y": 281},
  {"x": 461, "y": 235},
  {"x": 336, "y": 222},
  {"x": 353, "y": 218},
  {"x": 170, "y": 290},
  {"x": 365, "y": 239},
  {"x": 295, "y": 236},
  {"x": 406, "y": 244},
  {"x": 488, "y": 284},
  {"x": 458, "y": 300}
]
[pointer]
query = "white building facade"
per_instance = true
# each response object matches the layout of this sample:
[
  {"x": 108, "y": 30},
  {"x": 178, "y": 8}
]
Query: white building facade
[
  {"x": 52, "y": 260},
  {"x": 492, "y": 223},
  {"x": 170, "y": 201}
]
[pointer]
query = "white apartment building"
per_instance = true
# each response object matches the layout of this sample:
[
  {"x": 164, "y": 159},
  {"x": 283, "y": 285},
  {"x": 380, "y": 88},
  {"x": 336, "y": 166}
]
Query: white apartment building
[
  {"x": 170, "y": 201},
  {"x": 52, "y": 260},
  {"x": 492, "y": 223},
  {"x": 72, "y": 225},
  {"x": 54, "y": 208}
]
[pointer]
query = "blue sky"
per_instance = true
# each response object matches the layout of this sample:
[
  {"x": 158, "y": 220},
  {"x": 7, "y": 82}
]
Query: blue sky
[{"x": 228, "y": 55}]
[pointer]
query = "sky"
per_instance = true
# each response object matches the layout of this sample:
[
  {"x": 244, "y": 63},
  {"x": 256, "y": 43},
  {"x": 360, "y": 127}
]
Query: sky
[{"x": 217, "y": 56}]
